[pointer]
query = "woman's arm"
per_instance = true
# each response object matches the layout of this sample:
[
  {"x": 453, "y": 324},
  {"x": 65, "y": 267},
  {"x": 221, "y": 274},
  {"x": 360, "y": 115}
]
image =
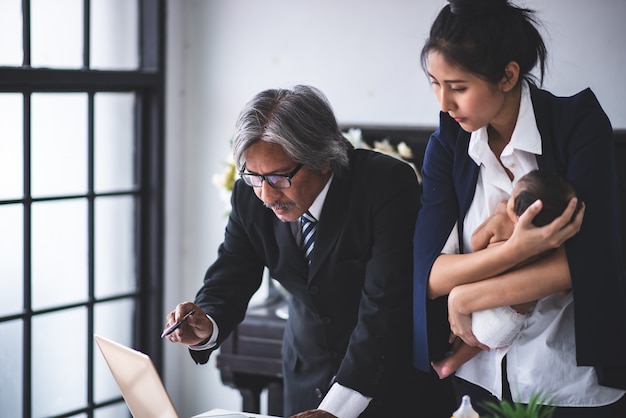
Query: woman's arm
[
  {"x": 544, "y": 277},
  {"x": 452, "y": 270}
]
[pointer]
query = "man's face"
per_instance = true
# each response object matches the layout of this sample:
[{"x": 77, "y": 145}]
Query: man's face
[{"x": 288, "y": 204}]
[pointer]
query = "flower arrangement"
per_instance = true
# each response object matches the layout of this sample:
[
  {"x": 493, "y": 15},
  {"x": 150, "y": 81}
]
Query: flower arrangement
[
  {"x": 225, "y": 180},
  {"x": 401, "y": 151}
]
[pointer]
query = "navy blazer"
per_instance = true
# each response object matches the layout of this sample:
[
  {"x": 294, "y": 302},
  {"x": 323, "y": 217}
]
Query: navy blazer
[
  {"x": 350, "y": 312},
  {"x": 577, "y": 142}
]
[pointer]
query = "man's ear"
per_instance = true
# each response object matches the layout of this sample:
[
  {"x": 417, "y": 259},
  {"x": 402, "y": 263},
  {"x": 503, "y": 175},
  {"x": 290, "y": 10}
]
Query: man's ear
[
  {"x": 511, "y": 76},
  {"x": 325, "y": 169}
]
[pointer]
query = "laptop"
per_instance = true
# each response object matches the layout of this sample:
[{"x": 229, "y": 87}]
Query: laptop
[{"x": 140, "y": 384}]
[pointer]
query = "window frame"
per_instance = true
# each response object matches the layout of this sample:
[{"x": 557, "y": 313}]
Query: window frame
[{"x": 148, "y": 85}]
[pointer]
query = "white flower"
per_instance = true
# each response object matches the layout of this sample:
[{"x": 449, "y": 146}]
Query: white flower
[
  {"x": 355, "y": 136},
  {"x": 405, "y": 151},
  {"x": 226, "y": 180},
  {"x": 385, "y": 147},
  {"x": 402, "y": 151}
]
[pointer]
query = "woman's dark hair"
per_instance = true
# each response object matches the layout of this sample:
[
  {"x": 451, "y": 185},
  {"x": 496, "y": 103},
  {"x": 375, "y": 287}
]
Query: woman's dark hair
[
  {"x": 483, "y": 36},
  {"x": 552, "y": 189}
]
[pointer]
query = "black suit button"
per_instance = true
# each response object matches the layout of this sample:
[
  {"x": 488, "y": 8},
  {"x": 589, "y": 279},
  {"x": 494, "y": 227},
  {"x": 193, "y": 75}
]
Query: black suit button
[
  {"x": 325, "y": 320},
  {"x": 332, "y": 354},
  {"x": 314, "y": 290}
]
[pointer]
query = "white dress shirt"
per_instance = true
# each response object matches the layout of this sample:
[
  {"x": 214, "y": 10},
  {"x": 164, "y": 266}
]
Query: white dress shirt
[{"x": 542, "y": 359}]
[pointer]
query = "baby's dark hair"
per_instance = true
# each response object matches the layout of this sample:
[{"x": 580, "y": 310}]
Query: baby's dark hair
[
  {"x": 483, "y": 36},
  {"x": 554, "y": 191}
]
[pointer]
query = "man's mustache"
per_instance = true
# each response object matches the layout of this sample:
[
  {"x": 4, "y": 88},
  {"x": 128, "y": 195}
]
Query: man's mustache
[{"x": 279, "y": 205}]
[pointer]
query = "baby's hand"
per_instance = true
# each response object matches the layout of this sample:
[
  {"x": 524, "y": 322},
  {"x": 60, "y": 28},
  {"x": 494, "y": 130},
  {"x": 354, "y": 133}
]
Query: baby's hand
[{"x": 501, "y": 207}]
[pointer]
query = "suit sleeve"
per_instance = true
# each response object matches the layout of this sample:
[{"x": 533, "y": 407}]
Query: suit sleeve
[{"x": 437, "y": 216}]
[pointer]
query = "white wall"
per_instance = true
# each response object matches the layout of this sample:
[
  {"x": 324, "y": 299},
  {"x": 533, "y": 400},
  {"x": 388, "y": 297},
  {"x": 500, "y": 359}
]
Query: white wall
[{"x": 364, "y": 55}]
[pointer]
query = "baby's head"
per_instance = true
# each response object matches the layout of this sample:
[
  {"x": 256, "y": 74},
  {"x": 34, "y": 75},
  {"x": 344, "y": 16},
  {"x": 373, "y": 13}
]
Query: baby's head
[{"x": 552, "y": 189}]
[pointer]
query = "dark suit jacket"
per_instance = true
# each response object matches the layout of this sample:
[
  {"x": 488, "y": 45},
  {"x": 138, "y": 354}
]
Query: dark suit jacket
[
  {"x": 350, "y": 312},
  {"x": 577, "y": 142}
]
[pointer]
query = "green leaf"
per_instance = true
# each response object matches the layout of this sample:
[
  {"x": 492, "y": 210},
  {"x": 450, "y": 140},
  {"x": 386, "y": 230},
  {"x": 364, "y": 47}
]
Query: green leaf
[{"x": 536, "y": 408}]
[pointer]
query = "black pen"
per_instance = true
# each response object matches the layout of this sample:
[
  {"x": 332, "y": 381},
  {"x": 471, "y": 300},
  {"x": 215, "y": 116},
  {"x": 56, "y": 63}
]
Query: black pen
[{"x": 167, "y": 331}]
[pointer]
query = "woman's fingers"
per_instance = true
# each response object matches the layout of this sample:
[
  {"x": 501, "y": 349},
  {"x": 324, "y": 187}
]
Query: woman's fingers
[{"x": 533, "y": 240}]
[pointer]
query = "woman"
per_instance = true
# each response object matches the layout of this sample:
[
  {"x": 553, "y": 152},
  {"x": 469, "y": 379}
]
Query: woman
[{"x": 495, "y": 126}]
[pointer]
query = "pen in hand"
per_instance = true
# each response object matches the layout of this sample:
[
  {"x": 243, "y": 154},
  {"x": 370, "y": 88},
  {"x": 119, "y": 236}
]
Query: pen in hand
[{"x": 167, "y": 331}]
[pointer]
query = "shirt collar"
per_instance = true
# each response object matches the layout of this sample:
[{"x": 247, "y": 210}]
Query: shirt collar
[
  {"x": 318, "y": 203},
  {"x": 525, "y": 136}
]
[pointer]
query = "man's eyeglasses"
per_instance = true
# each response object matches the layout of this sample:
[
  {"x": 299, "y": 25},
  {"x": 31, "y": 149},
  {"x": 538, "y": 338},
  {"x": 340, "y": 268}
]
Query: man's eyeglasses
[{"x": 277, "y": 181}]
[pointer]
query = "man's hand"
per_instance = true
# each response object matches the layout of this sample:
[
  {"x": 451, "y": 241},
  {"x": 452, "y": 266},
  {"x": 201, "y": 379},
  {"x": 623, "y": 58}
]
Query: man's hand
[
  {"x": 196, "y": 329},
  {"x": 314, "y": 413}
]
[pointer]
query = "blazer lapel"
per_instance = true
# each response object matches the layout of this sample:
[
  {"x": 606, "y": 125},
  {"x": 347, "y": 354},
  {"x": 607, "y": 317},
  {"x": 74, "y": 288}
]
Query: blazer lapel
[
  {"x": 545, "y": 161},
  {"x": 466, "y": 175},
  {"x": 288, "y": 249},
  {"x": 331, "y": 220}
]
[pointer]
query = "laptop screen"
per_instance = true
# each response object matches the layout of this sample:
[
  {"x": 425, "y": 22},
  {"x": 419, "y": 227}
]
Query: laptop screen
[{"x": 138, "y": 380}]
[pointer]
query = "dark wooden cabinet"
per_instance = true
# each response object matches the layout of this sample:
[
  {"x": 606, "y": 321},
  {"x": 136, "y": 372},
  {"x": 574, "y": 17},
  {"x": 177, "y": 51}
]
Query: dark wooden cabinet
[{"x": 250, "y": 360}]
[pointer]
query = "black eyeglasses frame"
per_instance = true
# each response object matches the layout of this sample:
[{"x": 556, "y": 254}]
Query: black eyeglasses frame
[{"x": 272, "y": 179}]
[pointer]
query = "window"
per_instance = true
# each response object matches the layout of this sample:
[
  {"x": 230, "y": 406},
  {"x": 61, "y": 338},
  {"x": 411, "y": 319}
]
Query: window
[{"x": 81, "y": 198}]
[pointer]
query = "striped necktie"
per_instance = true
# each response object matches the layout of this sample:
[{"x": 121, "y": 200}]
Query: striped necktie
[{"x": 309, "y": 225}]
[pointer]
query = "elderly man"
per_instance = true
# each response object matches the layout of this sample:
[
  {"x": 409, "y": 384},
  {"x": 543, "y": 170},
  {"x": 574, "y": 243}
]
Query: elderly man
[{"x": 334, "y": 225}]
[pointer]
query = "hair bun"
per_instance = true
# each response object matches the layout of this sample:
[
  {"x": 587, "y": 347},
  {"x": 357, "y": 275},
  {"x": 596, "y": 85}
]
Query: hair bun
[{"x": 476, "y": 7}]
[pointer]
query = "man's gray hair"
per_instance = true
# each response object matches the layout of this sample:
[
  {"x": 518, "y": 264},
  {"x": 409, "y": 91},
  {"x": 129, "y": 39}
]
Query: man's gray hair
[{"x": 300, "y": 120}]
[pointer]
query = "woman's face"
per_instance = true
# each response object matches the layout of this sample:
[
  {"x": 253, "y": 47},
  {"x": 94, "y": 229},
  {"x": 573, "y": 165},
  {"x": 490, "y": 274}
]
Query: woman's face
[{"x": 469, "y": 99}]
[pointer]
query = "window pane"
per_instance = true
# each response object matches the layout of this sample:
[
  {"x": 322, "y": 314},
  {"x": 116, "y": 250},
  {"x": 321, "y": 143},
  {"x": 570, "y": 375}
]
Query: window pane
[
  {"x": 11, "y": 143},
  {"x": 59, "y": 144},
  {"x": 112, "y": 320},
  {"x": 59, "y": 362},
  {"x": 114, "y": 43},
  {"x": 59, "y": 252},
  {"x": 56, "y": 33},
  {"x": 114, "y": 141},
  {"x": 11, "y": 33},
  {"x": 11, "y": 259},
  {"x": 113, "y": 411},
  {"x": 11, "y": 362},
  {"x": 114, "y": 245}
]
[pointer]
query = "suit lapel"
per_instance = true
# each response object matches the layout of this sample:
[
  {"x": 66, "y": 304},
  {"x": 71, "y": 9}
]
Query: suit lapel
[
  {"x": 288, "y": 249},
  {"x": 545, "y": 161},
  {"x": 466, "y": 176},
  {"x": 331, "y": 220}
]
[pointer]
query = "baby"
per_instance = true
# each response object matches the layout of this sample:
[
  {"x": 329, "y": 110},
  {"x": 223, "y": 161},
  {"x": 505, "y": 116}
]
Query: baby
[{"x": 498, "y": 327}]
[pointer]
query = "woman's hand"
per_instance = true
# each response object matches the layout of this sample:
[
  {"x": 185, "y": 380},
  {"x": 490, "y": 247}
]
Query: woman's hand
[
  {"x": 529, "y": 240},
  {"x": 461, "y": 320}
]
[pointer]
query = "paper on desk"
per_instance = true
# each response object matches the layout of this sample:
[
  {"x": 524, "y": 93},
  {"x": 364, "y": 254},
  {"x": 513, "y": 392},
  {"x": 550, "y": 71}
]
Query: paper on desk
[{"x": 223, "y": 413}]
